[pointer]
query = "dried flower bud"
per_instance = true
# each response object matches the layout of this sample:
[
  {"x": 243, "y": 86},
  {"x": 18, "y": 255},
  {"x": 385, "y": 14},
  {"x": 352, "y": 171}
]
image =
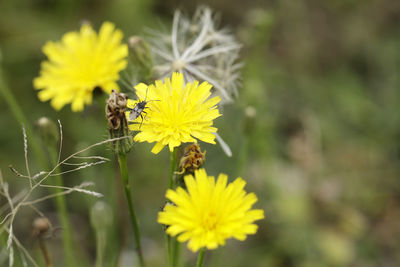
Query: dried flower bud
[
  {"x": 117, "y": 124},
  {"x": 141, "y": 56},
  {"x": 41, "y": 226},
  {"x": 192, "y": 159},
  {"x": 48, "y": 131}
]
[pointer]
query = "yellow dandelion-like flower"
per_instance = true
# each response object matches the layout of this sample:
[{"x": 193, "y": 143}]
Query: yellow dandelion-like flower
[
  {"x": 210, "y": 212},
  {"x": 79, "y": 63},
  {"x": 175, "y": 113}
]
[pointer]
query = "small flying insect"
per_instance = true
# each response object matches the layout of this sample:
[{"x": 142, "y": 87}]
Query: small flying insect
[{"x": 139, "y": 110}]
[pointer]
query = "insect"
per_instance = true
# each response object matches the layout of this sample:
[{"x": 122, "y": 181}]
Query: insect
[{"x": 139, "y": 109}]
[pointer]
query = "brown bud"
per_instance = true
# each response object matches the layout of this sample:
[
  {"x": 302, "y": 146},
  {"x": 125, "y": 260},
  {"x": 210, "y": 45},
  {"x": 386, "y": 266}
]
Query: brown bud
[
  {"x": 192, "y": 159},
  {"x": 40, "y": 226},
  {"x": 115, "y": 109},
  {"x": 117, "y": 123}
]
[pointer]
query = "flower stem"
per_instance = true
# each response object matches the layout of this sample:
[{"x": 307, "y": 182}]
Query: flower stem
[
  {"x": 62, "y": 212},
  {"x": 173, "y": 245},
  {"x": 176, "y": 249},
  {"x": 200, "y": 257},
  {"x": 125, "y": 179},
  {"x": 45, "y": 252},
  {"x": 172, "y": 168},
  {"x": 101, "y": 237}
]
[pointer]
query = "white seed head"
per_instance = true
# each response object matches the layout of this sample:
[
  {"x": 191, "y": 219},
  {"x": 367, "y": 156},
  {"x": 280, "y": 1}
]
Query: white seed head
[{"x": 200, "y": 51}]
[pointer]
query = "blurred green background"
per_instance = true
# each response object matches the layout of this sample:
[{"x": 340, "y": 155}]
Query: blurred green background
[{"x": 315, "y": 130}]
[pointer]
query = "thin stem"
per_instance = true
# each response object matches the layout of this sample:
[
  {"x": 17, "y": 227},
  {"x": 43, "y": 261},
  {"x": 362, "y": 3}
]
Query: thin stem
[
  {"x": 101, "y": 237},
  {"x": 170, "y": 252},
  {"x": 200, "y": 257},
  {"x": 176, "y": 249},
  {"x": 62, "y": 212},
  {"x": 172, "y": 168},
  {"x": 173, "y": 250},
  {"x": 125, "y": 179},
  {"x": 45, "y": 252}
]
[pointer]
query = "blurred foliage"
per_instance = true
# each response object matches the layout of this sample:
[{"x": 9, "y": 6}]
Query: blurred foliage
[{"x": 315, "y": 130}]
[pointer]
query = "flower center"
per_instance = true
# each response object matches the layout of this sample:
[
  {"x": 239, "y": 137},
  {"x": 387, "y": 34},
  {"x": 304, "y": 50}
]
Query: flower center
[
  {"x": 178, "y": 64},
  {"x": 210, "y": 221}
]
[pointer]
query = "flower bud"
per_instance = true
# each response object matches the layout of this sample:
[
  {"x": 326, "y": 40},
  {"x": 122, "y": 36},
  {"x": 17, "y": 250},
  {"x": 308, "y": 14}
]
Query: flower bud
[
  {"x": 117, "y": 124},
  {"x": 141, "y": 56},
  {"x": 101, "y": 216},
  {"x": 40, "y": 225},
  {"x": 250, "y": 116},
  {"x": 48, "y": 131}
]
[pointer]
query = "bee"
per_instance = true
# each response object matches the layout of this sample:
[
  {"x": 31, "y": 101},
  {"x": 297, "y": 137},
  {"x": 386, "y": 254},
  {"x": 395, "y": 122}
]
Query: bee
[{"x": 139, "y": 109}]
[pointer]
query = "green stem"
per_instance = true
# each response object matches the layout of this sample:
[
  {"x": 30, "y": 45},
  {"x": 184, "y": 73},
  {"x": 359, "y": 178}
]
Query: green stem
[
  {"x": 62, "y": 212},
  {"x": 125, "y": 179},
  {"x": 170, "y": 253},
  {"x": 173, "y": 246},
  {"x": 176, "y": 249},
  {"x": 101, "y": 237},
  {"x": 200, "y": 257},
  {"x": 172, "y": 168}
]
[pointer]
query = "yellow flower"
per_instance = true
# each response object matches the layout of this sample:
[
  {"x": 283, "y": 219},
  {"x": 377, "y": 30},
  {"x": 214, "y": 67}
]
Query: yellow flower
[
  {"x": 210, "y": 212},
  {"x": 176, "y": 113},
  {"x": 79, "y": 63}
]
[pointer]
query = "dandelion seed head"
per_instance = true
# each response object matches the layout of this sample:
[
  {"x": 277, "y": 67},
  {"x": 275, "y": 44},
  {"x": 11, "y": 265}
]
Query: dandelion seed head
[{"x": 201, "y": 51}]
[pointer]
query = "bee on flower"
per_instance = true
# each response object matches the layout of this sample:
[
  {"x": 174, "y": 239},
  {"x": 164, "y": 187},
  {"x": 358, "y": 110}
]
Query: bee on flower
[{"x": 79, "y": 63}]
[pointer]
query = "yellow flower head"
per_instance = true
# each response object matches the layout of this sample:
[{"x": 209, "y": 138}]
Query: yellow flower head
[
  {"x": 176, "y": 113},
  {"x": 79, "y": 63},
  {"x": 210, "y": 212}
]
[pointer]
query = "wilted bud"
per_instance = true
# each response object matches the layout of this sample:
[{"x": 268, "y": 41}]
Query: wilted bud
[
  {"x": 117, "y": 124},
  {"x": 141, "y": 56},
  {"x": 40, "y": 226},
  {"x": 48, "y": 131},
  {"x": 192, "y": 159},
  {"x": 101, "y": 216}
]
